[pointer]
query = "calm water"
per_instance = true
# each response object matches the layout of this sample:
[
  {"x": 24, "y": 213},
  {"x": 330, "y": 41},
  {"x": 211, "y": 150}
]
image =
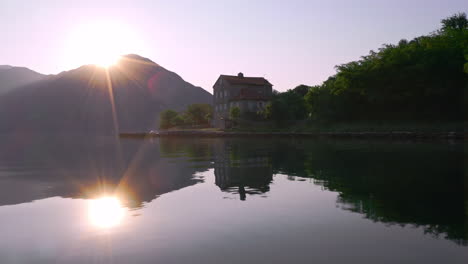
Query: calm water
[{"x": 232, "y": 201}]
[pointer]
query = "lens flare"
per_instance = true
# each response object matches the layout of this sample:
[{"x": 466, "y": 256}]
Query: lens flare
[
  {"x": 105, "y": 212},
  {"x": 99, "y": 42}
]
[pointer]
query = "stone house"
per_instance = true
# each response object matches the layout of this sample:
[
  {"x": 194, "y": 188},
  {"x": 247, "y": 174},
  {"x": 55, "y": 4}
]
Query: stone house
[{"x": 249, "y": 94}]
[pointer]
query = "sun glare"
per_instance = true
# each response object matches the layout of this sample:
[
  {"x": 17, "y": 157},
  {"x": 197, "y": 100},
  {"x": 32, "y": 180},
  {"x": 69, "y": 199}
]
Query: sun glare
[
  {"x": 105, "y": 212},
  {"x": 101, "y": 43}
]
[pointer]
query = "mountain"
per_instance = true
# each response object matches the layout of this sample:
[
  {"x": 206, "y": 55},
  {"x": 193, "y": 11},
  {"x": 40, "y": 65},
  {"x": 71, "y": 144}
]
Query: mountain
[
  {"x": 94, "y": 100},
  {"x": 13, "y": 77}
]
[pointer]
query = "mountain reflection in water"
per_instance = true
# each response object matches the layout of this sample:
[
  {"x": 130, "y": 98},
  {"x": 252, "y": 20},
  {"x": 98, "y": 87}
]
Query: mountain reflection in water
[{"x": 397, "y": 183}]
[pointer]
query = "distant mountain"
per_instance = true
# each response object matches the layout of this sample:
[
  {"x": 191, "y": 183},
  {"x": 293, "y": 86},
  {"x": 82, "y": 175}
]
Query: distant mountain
[
  {"x": 81, "y": 100},
  {"x": 13, "y": 77}
]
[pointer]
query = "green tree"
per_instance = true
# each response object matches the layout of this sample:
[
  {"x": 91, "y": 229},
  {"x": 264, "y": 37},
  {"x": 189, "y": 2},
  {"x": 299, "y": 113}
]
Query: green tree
[
  {"x": 420, "y": 79},
  {"x": 301, "y": 89},
  {"x": 285, "y": 107},
  {"x": 234, "y": 114},
  {"x": 457, "y": 22},
  {"x": 167, "y": 119},
  {"x": 199, "y": 114},
  {"x": 179, "y": 120}
]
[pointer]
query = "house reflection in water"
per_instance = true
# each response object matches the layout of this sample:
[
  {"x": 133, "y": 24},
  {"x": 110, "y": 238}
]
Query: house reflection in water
[{"x": 241, "y": 170}]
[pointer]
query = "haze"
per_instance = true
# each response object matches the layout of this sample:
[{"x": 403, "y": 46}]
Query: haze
[{"x": 300, "y": 42}]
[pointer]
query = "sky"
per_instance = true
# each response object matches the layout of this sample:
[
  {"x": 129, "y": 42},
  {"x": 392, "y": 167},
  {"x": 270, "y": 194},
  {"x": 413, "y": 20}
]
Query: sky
[{"x": 289, "y": 42}]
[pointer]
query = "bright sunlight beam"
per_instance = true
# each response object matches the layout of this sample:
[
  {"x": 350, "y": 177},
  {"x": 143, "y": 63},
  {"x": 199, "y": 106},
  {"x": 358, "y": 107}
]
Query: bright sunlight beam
[
  {"x": 105, "y": 212},
  {"x": 101, "y": 43}
]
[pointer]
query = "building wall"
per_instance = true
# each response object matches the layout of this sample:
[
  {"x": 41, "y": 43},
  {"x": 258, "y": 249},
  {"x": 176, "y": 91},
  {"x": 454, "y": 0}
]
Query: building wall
[
  {"x": 249, "y": 105},
  {"x": 221, "y": 96},
  {"x": 223, "y": 92}
]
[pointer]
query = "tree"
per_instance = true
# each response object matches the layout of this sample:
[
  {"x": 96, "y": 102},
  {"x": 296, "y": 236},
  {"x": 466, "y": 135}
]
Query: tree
[
  {"x": 167, "y": 119},
  {"x": 457, "y": 22},
  {"x": 301, "y": 89},
  {"x": 284, "y": 107},
  {"x": 196, "y": 114},
  {"x": 234, "y": 113},
  {"x": 179, "y": 120},
  {"x": 199, "y": 114},
  {"x": 420, "y": 79}
]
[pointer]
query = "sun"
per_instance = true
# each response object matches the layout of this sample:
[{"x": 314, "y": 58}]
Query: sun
[
  {"x": 100, "y": 43},
  {"x": 105, "y": 212}
]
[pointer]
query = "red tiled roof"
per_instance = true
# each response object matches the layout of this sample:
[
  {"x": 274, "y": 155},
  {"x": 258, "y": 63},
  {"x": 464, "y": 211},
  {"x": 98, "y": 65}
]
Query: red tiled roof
[
  {"x": 249, "y": 94},
  {"x": 245, "y": 80}
]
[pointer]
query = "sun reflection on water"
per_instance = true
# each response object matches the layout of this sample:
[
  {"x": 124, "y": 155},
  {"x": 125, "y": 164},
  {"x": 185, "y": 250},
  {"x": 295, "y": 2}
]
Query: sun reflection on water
[{"x": 105, "y": 212}]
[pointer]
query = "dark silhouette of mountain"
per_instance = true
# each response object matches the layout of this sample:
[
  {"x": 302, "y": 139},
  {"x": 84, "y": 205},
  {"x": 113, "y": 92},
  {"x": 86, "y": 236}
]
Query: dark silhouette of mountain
[
  {"x": 88, "y": 168},
  {"x": 13, "y": 77},
  {"x": 94, "y": 100}
]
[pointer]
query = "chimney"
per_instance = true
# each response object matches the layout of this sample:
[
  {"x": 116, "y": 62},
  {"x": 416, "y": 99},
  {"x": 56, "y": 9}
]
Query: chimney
[{"x": 240, "y": 74}]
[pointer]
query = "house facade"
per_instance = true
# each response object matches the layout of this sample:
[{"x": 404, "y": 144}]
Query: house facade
[{"x": 249, "y": 94}]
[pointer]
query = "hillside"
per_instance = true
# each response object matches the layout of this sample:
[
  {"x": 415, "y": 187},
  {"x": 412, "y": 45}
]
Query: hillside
[
  {"x": 80, "y": 101},
  {"x": 13, "y": 77}
]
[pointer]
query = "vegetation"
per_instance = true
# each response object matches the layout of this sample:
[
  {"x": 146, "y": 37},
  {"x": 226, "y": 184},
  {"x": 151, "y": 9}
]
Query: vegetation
[
  {"x": 196, "y": 115},
  {"x": 421, "y": 80},
  {"x": 167, "y": 118},
  {"x": 234, "y": 113},
  {"x": 286, "y": 106},
  {"x": 408, "y": 86}
]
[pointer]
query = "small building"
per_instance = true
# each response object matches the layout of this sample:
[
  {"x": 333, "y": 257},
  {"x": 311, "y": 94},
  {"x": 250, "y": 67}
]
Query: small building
[{"x": 249, "y": 94}]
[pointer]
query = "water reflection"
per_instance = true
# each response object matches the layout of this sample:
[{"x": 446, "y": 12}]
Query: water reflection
[
  {"x": 105, "y": 212},
  {"x": 87, "y": 169},
  {"x": 396, "y": 183},
  {"x": 240, "y": 169}
]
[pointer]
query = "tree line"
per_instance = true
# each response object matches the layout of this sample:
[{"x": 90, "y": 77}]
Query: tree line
[
  {"x": 421, "y": 79},
  {"x": 196, "y": 115}
]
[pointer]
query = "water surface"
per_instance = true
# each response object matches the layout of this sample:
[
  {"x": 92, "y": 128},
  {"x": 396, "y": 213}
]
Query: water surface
[{"x": 232, "y": 201}]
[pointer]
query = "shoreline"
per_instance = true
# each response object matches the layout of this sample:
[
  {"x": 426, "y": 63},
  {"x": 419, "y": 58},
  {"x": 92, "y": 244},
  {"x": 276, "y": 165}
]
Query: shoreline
[{"x": 362, "y": 135}]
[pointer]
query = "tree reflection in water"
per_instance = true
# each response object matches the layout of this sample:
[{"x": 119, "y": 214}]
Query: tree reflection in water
[{"x": 397, "y": 183}]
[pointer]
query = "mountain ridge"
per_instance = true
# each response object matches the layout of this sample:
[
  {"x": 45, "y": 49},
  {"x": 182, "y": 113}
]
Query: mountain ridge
[
  {"x": 12, "y": 77},
  {"x": 90, "y": 99}
]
